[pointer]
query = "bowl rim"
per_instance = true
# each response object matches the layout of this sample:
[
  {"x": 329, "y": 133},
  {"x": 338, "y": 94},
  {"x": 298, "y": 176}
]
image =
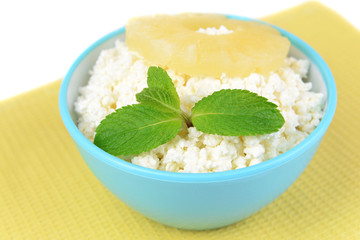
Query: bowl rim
[{"x": 242, "y": 173}]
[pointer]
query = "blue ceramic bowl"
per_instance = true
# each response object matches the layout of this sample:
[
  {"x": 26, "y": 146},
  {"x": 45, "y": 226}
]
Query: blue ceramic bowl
[{"x": 201, "y": 200}]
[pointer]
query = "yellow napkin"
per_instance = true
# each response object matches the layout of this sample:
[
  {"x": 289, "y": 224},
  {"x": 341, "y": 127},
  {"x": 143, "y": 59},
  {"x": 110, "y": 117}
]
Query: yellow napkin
[{"x": 47, "y": 191}]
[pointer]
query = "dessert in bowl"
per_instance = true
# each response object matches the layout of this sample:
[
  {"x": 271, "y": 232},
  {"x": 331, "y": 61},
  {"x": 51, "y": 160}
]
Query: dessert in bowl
[{"x": 182, "y": 198}]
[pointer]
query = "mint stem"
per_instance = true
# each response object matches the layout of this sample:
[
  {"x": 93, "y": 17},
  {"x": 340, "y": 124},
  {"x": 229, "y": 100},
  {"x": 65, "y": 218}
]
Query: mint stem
[{"x": 187, "y": 119}]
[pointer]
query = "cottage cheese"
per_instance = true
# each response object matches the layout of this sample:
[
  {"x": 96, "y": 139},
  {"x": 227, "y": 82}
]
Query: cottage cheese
[
  {"x": 119, "y": 74},
  {"x": 215, "y": 31}
]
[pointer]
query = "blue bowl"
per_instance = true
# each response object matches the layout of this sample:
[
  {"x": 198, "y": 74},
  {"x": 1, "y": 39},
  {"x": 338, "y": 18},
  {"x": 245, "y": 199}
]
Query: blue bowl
[{"x": 202, "y": 200}]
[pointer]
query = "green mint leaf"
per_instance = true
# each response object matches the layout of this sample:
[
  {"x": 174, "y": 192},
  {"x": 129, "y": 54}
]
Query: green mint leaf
[
  {"x": 159, "y": 98},
  {"x": 136, "y": 128},
  {"x": 158, "y": 77},
  {"x": 236, "y": 112}
]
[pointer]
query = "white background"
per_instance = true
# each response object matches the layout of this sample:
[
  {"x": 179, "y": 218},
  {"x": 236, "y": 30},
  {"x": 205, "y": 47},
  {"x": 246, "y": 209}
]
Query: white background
[{"x": 39, "y": 40}]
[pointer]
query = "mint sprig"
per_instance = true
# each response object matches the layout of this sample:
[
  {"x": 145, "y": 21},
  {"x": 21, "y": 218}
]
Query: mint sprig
[{"x": 157, "y": 118}]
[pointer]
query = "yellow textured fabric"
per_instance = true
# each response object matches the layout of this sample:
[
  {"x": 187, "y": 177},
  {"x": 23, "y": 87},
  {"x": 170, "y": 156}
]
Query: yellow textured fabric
[{"x": 47, "y": 191}]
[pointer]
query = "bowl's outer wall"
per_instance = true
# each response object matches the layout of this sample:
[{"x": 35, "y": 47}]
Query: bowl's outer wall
[{"x": 198, "y": 205}]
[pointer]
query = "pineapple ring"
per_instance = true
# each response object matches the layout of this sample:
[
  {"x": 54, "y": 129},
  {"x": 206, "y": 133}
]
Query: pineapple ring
[{"x": 173, "y": 41}]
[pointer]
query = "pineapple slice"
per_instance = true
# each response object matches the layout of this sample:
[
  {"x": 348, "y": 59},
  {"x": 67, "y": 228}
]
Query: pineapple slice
[{"x": 174, "y": 42}]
